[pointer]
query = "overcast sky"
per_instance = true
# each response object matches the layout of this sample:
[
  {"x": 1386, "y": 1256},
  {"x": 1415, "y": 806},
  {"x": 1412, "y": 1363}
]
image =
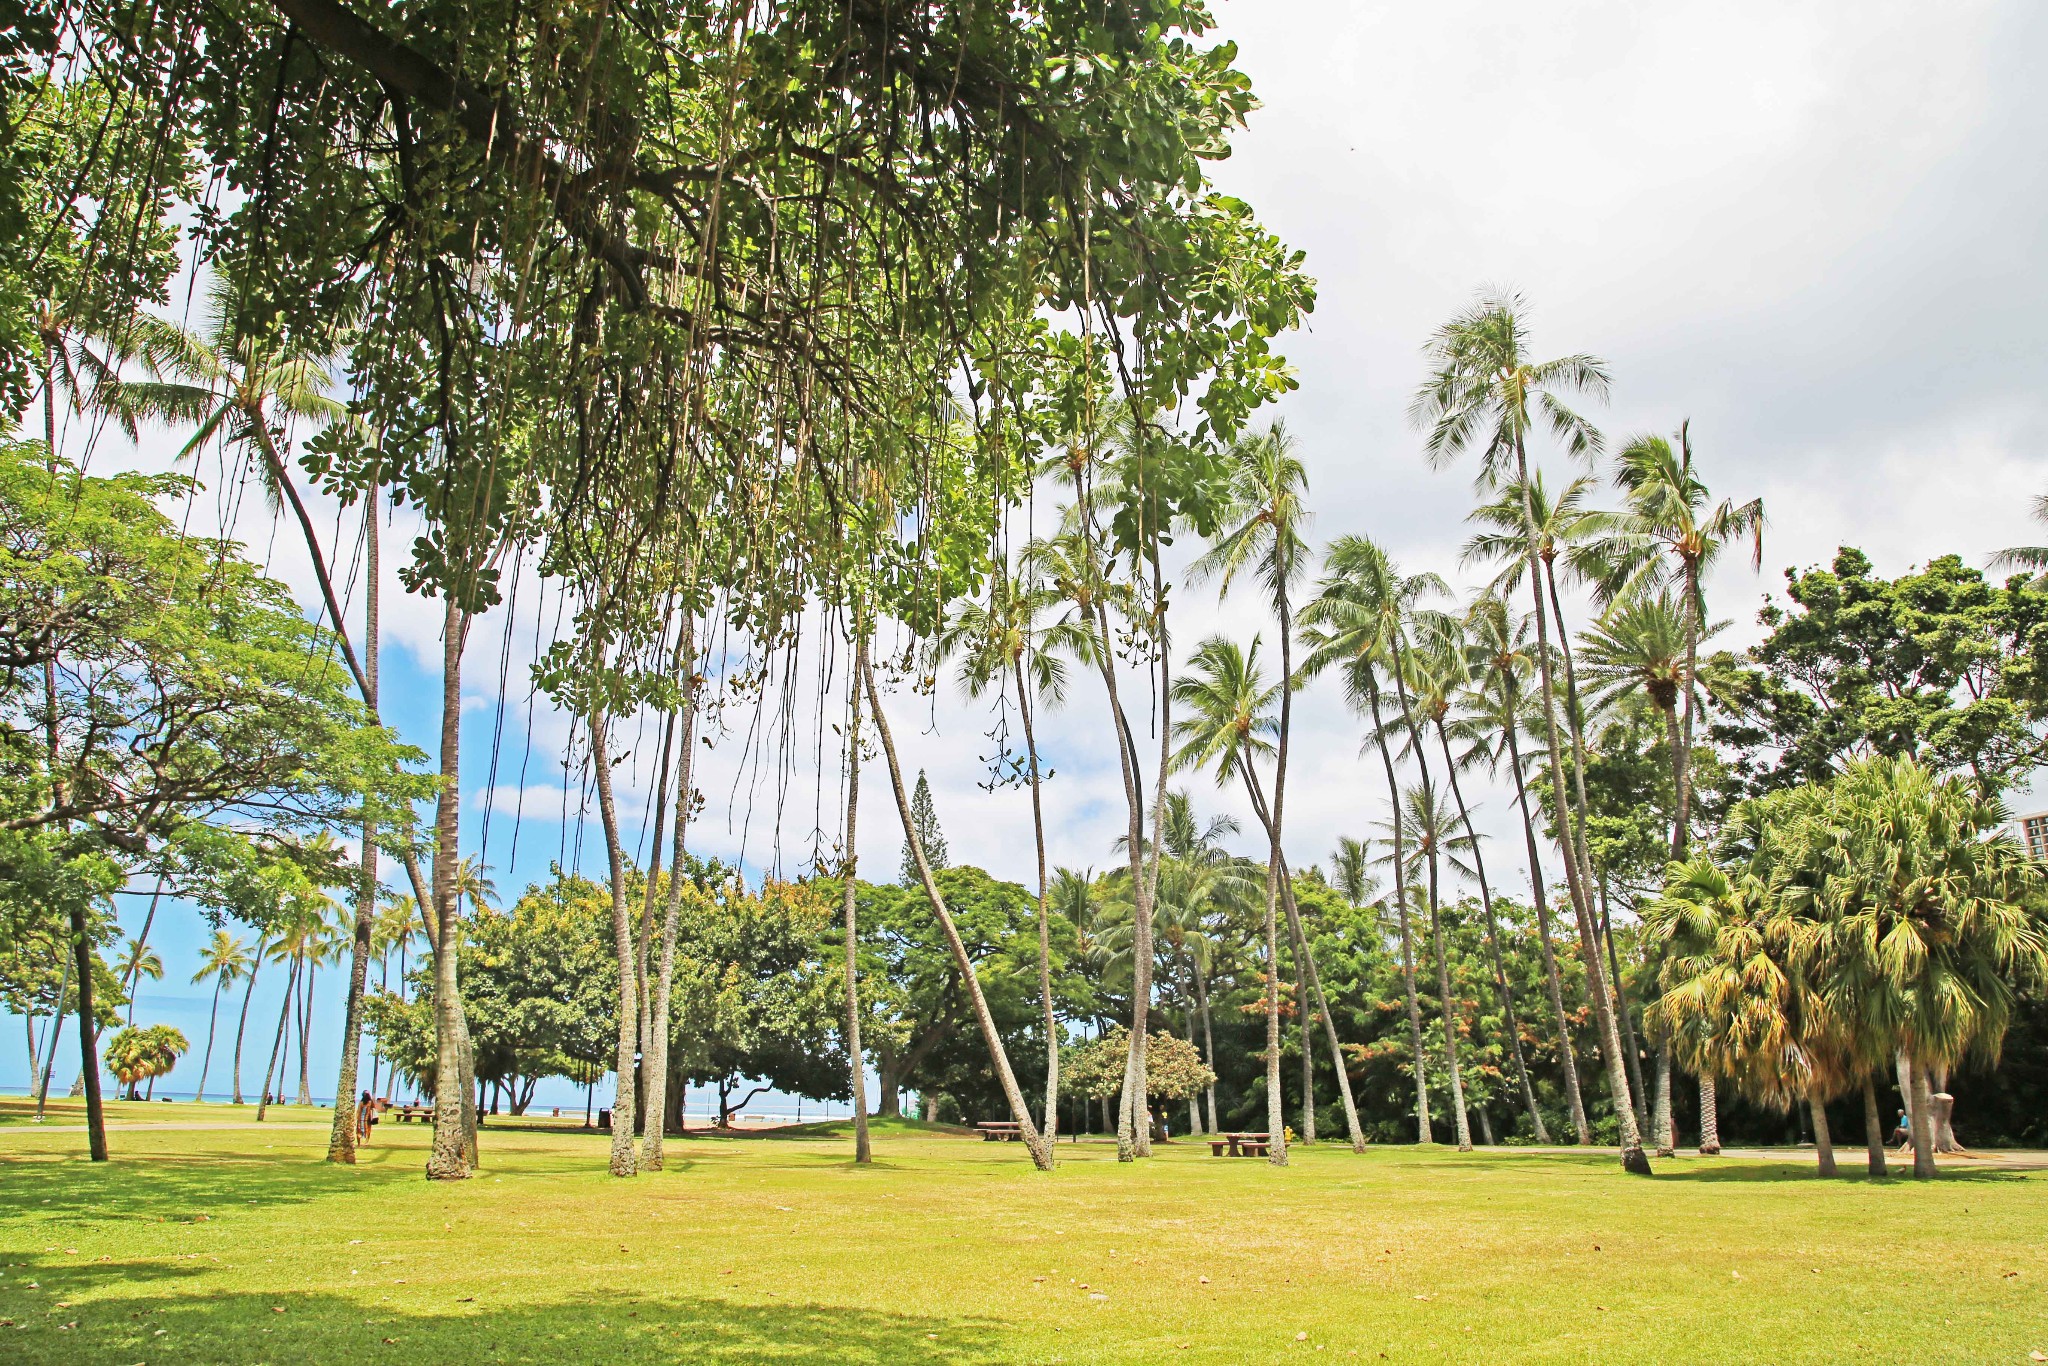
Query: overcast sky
[{"x": 1814, "y": 230}]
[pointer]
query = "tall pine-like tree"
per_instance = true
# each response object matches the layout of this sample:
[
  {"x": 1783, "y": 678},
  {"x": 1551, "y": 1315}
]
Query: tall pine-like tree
[{"x": 927, "y": 821}]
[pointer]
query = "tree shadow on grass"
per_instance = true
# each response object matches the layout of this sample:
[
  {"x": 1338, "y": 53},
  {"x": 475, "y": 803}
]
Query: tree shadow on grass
[
  {"x": 1762, "y": 1173},
  {"x": 109, "y": 1323}
]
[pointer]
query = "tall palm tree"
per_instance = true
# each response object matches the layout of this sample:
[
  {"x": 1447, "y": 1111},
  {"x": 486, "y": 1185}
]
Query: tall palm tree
[
  {"x": 136, "y": 961},
  {"x": 1262, "y": 522},
  {"x": 1227, "y": 725},
  {"x": 256, "y": 959},
  {"x": 1355, "y": 623},
  {"x": 1004, "y": 643},
  {"x": 1485, "y": 396},
  {"x": 224, "y": 959},
  {"x": 1493, "y": 713},
  {"x": 1667, "y": 509},
  {"x": 1445, "y": 662}
]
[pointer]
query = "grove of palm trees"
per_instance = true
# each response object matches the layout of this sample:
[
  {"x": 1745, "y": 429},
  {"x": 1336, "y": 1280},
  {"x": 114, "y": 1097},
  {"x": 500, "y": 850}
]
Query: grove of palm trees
[{"x": 789, "y": 636}]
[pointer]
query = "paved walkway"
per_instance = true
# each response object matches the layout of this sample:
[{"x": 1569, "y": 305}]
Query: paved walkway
[{"x": 31, "y": 1127}]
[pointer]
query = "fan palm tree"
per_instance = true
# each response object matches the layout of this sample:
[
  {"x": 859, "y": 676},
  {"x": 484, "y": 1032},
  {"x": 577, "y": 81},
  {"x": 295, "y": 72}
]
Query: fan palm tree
[
  {"x": 1004, "y": 643},
  {"x": 1667, "y": 509},
  {"x": 1485, "y": 396},
  {"x": 1356, "y": 623},
  {"x": 136, "y": 961},
  {"x": 224, "y": 960},
  {"x": 1493, "y": 713}
]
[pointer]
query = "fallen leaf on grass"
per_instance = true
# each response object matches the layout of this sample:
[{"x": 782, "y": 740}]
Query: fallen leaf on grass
[
  {"x": 1204, "y": 1280},
  {"x": 1423, "y": 1297}
]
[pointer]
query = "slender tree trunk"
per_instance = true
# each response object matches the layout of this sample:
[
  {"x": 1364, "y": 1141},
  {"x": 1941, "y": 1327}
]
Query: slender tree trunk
[
  {"x": 341, "y": 1139},
  {"x": 1873, "y": 1127},
  {"x": 88, "y": 1042},
  {"x": 1052, "y": 1027},
  {"x": 1660, "y": 1125},
  {"x": 1308, "y": 1041},
  {"x": 1823, "y": 1142},
  {"x": 1921, "y": 1112},
  {"x": 54, "y": 1035},
  {"x": 1605, "y": 924},
  {"x": 655, "y": 1119},
  {"x": 1632, "y": 1156},
  {"x": 1443, "y": 982},
  {"x": 1041, "y": 1155},
  {"x": 1710, "y": 1118},
  {"x": 212, "y": 1024},
  {"x": 1276, "y": 1113},
  {"x": 1208, "y": 1042},
  {"x": 1681, "y": 821},
  {"x": 284, "y": 1015},
  {"x": 1500, "y": 972},
  {"x": 305, "y": 1031},
  {"x": 849, "y": 872},
  {"x": 453, "y": 1101},
  {"x": 1415, "y": 1047},
  {"x": 1567, "y": 1054},
  {"x": 623, "y": 1161},
  {"x": 132, "y": 985},
  {"x": 242, "y": 1025},
  {"x": 1322, "y": 1006}
]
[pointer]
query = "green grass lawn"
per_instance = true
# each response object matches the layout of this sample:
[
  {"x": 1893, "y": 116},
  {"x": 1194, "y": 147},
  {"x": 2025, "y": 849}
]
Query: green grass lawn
[{"x": 243, "y": 1246}]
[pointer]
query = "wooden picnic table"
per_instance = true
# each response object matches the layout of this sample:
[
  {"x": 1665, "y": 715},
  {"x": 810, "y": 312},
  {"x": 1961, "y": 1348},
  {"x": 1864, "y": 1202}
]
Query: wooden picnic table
[
  {"x": 422, "y": 1113},
  {"x": 1240, "y": 1145},
  {"x": 1000, "y": 1130}
]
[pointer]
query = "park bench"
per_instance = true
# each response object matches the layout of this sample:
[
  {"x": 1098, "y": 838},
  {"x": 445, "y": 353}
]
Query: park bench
[
  {"x": 1000, "y": 1130},
  {"x": 1239, "y": 1145}
]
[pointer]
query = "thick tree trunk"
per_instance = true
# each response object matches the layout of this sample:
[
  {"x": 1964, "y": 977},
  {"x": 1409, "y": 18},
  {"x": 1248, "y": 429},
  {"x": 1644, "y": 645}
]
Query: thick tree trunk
[
  {"x": 1567, "y": 1054},
  {"x": 1710, "y": 1118},
  {"x": 1922, "y": 1114},
  {"x": 1823, "y": 1142},
  {"x": 88, "y": 1041},
  {"x": 849, "y": 870},
  {"x": 1500, "y": 973},
  {"x": 1660, "y": 1124},
  {"x": 888, "y": 1088},
  {"x": 453, "y": 1102},
  {"x": 624, "y": 1067},
  {"x": 1632, "y": 1156},
  {"x": 1944, "y": 1114},
  {"x": 1041, "y": 1155},
  {"x": 1873, "y": 1127}
]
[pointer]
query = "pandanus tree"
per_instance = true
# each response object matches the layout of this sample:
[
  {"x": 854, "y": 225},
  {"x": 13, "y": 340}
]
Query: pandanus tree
[
  {"x": 1485, "y": 397},
  {"x": 1357, "y": 623}
]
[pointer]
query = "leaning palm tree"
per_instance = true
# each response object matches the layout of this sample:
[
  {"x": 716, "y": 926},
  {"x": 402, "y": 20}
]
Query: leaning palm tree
[
  {"x": 136, "y": 961},
  {"x": 1493, "y": 713},
  {"x": 1356, "y": 624},
  {"x": 224, "y": 960},
  {"x": 1432, "y": 825},
  {"x": 1485, "y": 396},
  {"x": 1002, "y": 644}
]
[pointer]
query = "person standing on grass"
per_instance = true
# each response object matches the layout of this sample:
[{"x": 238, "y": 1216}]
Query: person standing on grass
[{"x": 366, "y": 1115}]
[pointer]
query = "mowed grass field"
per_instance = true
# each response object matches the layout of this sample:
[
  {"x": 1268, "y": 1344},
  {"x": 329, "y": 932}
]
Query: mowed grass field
[{"x": 244, "y": 1246}]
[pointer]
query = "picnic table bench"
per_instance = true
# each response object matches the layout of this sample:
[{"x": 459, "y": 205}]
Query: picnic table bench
[
  {"x": 1239, "y": 1145},
  {"x": 1000, "y": 1130},
  {"x": 422, "y": 1113}
]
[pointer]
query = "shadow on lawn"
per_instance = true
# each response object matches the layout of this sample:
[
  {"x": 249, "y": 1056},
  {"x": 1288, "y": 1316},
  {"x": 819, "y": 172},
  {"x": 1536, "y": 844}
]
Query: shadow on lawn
[{"x": 314, "y": 1327}]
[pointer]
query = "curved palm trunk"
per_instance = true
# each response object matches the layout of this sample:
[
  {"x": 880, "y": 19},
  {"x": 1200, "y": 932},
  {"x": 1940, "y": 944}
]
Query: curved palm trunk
[
  {"x": 1041, "y": 1153},
  {"x": 1416, "y": 1050},
  {"x": 654, "y": 1121},
  {"x": 1605, "y": 923},
  {"x": 1823, "y": 1141},
  {"x": 1567, "y": 1054},
  {"x": 1052, "y": 1028},
  {"x": 1500, "y": 972},
  {"x": 1632, "y": 1156},
  {"x": 242, "y": 1027},
  {"x": 849, "y": 870},
  {"x": 142, "y": 942},
  {"x": 1322, "y": 1007},
  {"x": 623, "y": 1161},
  {"x": 212, "y": 1024},
  {"x": 284, "y": 1015}
]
